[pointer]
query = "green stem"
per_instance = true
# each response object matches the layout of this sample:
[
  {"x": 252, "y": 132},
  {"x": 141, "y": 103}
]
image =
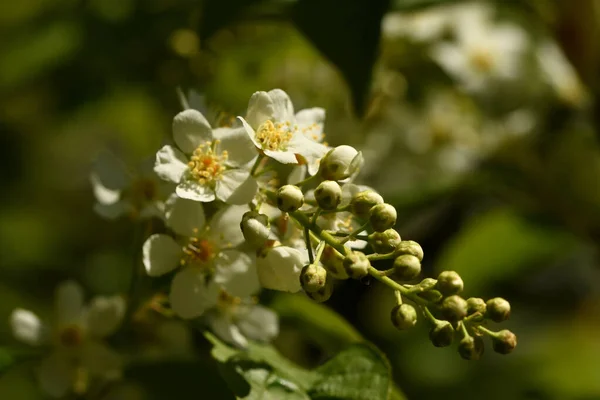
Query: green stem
[
  {"x": 320, "y": 249},
  {"x": 429, "y": 315},
  {"x": 311, "y": 258},
  {"x": 398, "y": 296},
  {"x": 377, "y": 257},
  {"x": 487, "y": 331},
  {"x": 305, "y": 181},
  {"x": 256, "y": 164},
  {"x": 355, "y": 232}
]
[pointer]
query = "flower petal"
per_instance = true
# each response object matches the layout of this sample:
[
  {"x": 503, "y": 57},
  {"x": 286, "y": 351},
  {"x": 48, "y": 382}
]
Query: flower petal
[
  {"x": 283, "y": 109},
  {"x": 280, "y": 268},
  {"x": 250, "y": 132},
  {"x": 260, "y": 109},
  {"x": 258, "y": 323},
  {"x": 27, "y": 327},
  {"x": 225, "y": 225},
  {"x": 309, "y": 116},
  {"x": 56, "y": 375},
  {"x": 69, "y": 303},
  {"x": 284, "y": 157},
  {"x": 191, "y": 129},
  {"x": 170, "y": 164},
  {"x": 103, "y": 194},
  {"x": 236, "y": 187},
  {"x": 184, "y": 216},
  {"x": 110, "y": 171},
  {"x": 104, "y": 315},
  {"x": 193, "y": 190},
  {"x": 240, "y": 148},
  {"x": 223, "y": 327},
  {"x": 160, "y": 254},
  {"x": 309, "y": 149},
  {"x": 114, "y": 210},
  {"x": 236, "y": 273},
  {"x": 191, "y": 294}
]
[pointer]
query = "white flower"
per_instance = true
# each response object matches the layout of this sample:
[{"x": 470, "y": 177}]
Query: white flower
[
  {"x": 421, "y": 26},
  {"x": 208, "y": 164},
  {"x": 483, "y": 50},
  {"x": 120, "y": 192},
  {"x": 206, "y": 255},
  {"x": 78, "y": 352},
  {"x": 279, "y": 268},
  {"x": 275, "y": 130},
  {"x": 236, "y": 320}
]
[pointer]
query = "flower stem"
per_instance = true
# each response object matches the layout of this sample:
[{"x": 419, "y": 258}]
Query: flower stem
[{"x": 256, "y": 164}]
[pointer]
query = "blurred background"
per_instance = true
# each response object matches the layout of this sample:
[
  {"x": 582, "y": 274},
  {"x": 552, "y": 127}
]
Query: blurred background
[{"x": 478, "y": 121}]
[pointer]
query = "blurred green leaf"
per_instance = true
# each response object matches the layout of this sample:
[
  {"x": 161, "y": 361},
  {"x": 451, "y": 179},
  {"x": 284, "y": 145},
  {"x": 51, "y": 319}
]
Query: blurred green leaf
[
  {"x": 498, "y": 245},
  {"x": 6, "y": 359},
  {"x": 417, "y": 4},
  {"x": 347, "y": 34}
]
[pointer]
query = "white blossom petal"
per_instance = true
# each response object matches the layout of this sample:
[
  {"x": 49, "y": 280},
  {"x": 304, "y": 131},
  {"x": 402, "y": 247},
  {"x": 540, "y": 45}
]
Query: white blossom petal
[
  {"x": 160, "y": 254},
  {"x": 236, "y": 186},
  {"x": 284, "y": 157},
  {"x": 240, "y": 148},
  {"x": 110, "y": 171},
  {"x": 283, "y": 109},
  {"x": 170, "y": 164},
  {"x": 192, "y": 190},
  {"x": 103, "y": 194},
  {"x": 27, "y": 327},
  {"x": 191, "y": 294},
  {"x": 225, "y": 225},
  {"x": 309, "y": 116},
  {"x": 223, "y": 327},
  {"x": 236, "y": 273},
  {"x": 69, "y": 303},
  {"x": 184, "y": 216},
  {"x": 251, "y": 133},
  {"x": 310, "y": 150},
  {"x": 114, "y": 210},
  {"x": 191, "y": 129},
  {"x": 260, "y": 109},
  {"x": 298, "y": 174},
  {"x": 280, "y": 268},
  {"x": 258, "y": 323},
  {"x": 104, "y": 315},
  {"x": 56, "y": 375}
]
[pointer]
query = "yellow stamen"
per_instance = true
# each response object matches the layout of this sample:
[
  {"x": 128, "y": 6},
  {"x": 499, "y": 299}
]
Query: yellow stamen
[
  {"x": 206, "y": 166},
  {"x": 274, "y": 136}
]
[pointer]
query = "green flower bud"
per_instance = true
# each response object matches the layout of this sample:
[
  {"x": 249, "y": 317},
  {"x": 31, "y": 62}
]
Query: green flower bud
[
  {"x": 289, "y": 198},
  {"x": 498, "y": 309},
  {"x": 382, "y": 217},
  {"x": 333, "y": 262},
  {"x": 356, "y": 265},
  {"x": 362, "y": 203},
  {"x": 328, "y": 195},
  {"x": 475, "y": 304},
  {"x": 404, "y": 316},
  {"x": 471, "y": 348},
  {"x": 504, "y": 342},
  {"x": 432, "y": 296},
  {"x": 313, "y": 277},
  {"x": 442, "y": 334},
  {"x": 384, "y": 242},
  {"x": 322, "y": 294},
  {"x": 406, "y": 267},
  {"x": 449, "y": 283},
  {"x": 426, "y": 284},
  {"x": 255, "y": 228},
  {"x": 340, "y": 163},
  {"x": 454, "y": 308},
  {"x": 410, "y": 247}
]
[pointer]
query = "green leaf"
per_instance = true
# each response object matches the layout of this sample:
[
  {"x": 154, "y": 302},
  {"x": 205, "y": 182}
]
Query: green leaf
[
  {"x": 498, "y": 245},
  {"x": 6, "y": 359},
  {"x": 347, "y": 33},
  {"x": 359, "y": 373}
]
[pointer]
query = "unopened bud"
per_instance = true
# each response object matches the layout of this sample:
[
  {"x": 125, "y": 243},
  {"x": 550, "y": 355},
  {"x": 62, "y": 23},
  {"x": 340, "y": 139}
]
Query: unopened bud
[
  {"x": 328, "y": 195},
  {"x": 498, "y": 309},
  {"x": 322, "y": 294},
  {"x": 406, "y": 268},
  {"x": 504, "y": 342},
  {"x": 404, "y": 316},
  {"x": 432, "y": 296},
  {"x": 356, "y": 265},
  {"x": 255, "y": 228},
  {"x": 362, "y": 203},
  {"x": 313, "y": 277},
  {"x": 384, "y": 242},
  {"x": 382, "y": 217},
  {"x": 340, "y": 163},
  {"x": 474, "y": 305},
  {"x": 333, "y": 262},
  {"x": 454, "y": 308},
  {"x": 442, "y": 334},
  {"x": 471, "y": 348},
  {"x": 410, "y": 247},
  {"x": 426, "y": 284},
  {"x": 449, "y": 283},
  {"x": 289, "y": 198}
]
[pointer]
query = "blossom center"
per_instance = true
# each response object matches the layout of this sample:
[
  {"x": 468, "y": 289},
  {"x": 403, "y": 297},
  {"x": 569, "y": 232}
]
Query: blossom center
[
  {"x": 198, "y": 252},
  {"x": 70, "y": 336},
  {"x": 206, "y": 165},
  {"x": 274, "y": 136},
  {"x": 482, "y": 60},
  {"x": 227, "y": 303}
]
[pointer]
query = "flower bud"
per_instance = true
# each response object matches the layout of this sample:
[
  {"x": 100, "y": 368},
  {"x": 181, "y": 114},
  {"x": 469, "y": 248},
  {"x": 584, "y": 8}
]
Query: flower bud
[
  {"x": 382, "y": 217},
  {"x": 404, "y": 316},
  {"x": 322, "y": 294},
  {"x": 410, "y": 247},
  {"x": 475, "y": 304},
  {"x": 471, "y": 348},
  {"x": 384, "y": 242},
  {"x": 454, "y": 308},
  {"x": 356, "y": 265},
  {"x": 313, "y": 277},
  {"x": 432, "y": 296},
  {"x": 362, "y": 203},
  {"x": 340, "y": 163},
  {"x": 504, "y": 342},
  {"x": 449, "y": 283},
  {"x": 255, "y": 228},
  {"x": 328, "y": 195},
  {"x": 333, "y": 262},
  {"x": 289, "y": 198},
  {"x": 498, "y": 309},
  {"x": 406, "y": 268},
  {"x": 426, "y": 284},
  {"x": 442, "y": 334}
]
